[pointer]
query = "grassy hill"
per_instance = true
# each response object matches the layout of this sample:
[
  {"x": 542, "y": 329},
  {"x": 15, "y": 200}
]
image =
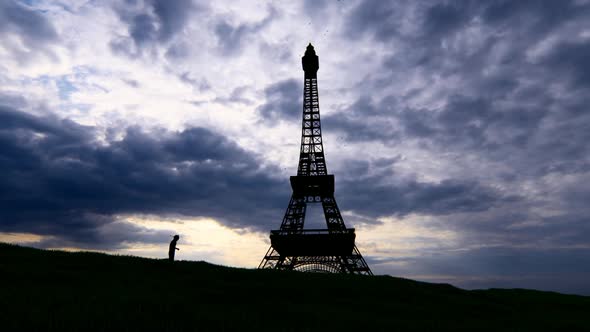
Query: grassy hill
[{"x": 59, "y": 291}]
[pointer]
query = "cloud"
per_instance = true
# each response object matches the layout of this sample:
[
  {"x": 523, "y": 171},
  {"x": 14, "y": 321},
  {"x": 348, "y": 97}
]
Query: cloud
[
  {"x": 364, "y": 120},
  {"x": 236, "y": 96},
  {"x": 283, "y": 102},
  {"x": 60, "y": 181},
  {"x": 32, "y": 26},
  {"x": 471, "y": 92},
  {"x": 26, "y": 32},
  {"x": 571, "y": 60},
  {"x": 152, "y": 23},
  {"x": 379, "y": 19},
  {"x": 198, "y": 84},
  {"x": 63, "y": 182},
  {"x": 231, "y": 37},
  {"x": 488, "y": 97},
  {"x": 452, "y": 196},
  {"x": 173, "y": 16}
]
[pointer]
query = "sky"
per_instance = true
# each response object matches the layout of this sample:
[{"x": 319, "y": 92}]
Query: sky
[{"x": 457, "y": 131}]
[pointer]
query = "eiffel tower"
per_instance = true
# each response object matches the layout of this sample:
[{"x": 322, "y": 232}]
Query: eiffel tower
[{"x": 315, "y": 250}]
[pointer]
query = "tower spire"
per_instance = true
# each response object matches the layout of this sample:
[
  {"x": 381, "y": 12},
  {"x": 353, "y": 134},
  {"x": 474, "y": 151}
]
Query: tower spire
[
  {"x": 327, "y": 250},
  {"x": 310, "y": 62},
  {"x": 311, "y": 155}
]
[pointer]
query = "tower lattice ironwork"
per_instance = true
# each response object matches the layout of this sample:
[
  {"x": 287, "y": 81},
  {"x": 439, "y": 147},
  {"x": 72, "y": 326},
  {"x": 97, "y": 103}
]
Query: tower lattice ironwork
[{"x": 320, "y": 250}]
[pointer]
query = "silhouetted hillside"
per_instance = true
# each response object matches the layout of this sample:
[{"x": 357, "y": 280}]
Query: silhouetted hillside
[{"x": 60, "y": 291}]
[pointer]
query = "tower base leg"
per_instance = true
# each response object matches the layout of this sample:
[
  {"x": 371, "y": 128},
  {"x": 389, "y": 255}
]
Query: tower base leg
[{"x": 349, "y": 264}]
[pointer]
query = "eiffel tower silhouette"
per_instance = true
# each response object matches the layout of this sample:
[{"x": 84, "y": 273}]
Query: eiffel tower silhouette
[{"x": 318, "y": 250}]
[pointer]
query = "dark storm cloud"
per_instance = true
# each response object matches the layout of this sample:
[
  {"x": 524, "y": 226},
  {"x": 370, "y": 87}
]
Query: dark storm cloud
[
  {"x": 364, "y": 120},
  {"x": 142, "y": 29},
  {"x": 571, "y": 60},
  {"x": 378, "y": 199},
  {"x": 31, "y": 25},
  {"x": 537, "y": 135},
  {"x": 444, "y": 18},
  {"x": 380, "y": 19},
  {"x": 440, "y": 37},
  {"x": 542, "y": 15},
  {"x": 502, "y": 88},
  {"x": 473, "y": 123},
  {"x": 504, "y": 100},
  {"x": 35, "y": 32},
  {"x": 283, "y": 101},
  {"x": 152, "y": 23},
  {"x": 12, "y": 100},
  {"x": 436, "y": 20},
  {"x": 172, "y": 15},
  {"x": 58, "y": 180}
]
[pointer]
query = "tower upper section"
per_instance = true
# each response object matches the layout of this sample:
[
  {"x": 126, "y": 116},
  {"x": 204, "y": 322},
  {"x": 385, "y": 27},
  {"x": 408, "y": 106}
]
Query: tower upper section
[
  {"x": 310, "y": 62},
  {"x": 311, "y": 155}
]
